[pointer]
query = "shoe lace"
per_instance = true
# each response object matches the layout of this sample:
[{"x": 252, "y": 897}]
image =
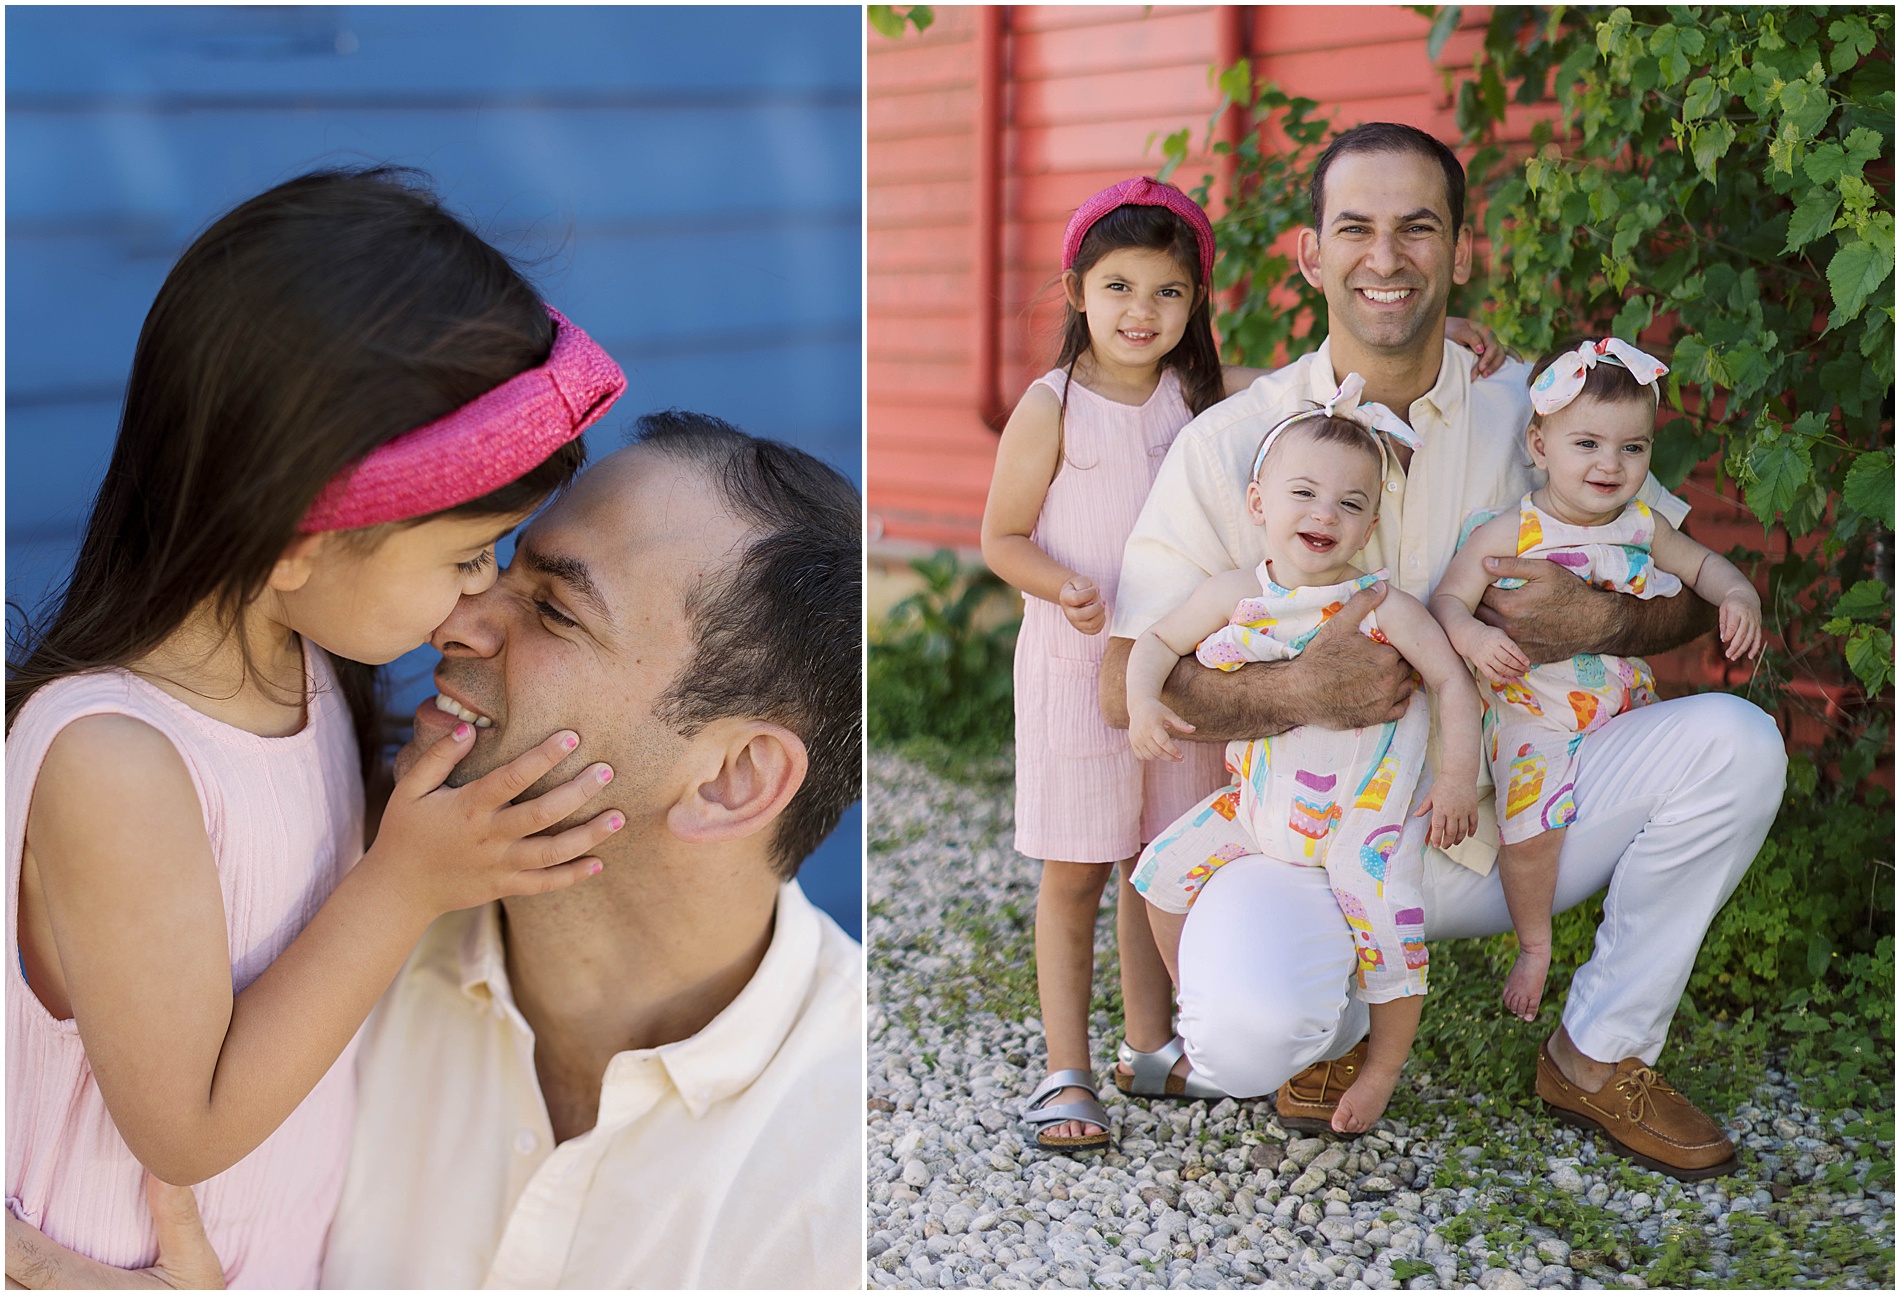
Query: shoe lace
[{"x": 1642, "y": 1086}]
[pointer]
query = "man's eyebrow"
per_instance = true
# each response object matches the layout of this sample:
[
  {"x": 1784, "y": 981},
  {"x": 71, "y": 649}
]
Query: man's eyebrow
[
  {"x": 1421, "y": 213},
  {"x": 571, "y": 572}
]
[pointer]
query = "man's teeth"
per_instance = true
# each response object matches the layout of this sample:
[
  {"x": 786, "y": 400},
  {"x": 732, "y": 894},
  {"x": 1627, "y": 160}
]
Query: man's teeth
[
  {"x": 1387, "y": 298},
  {"x": 444, "y": 702}
]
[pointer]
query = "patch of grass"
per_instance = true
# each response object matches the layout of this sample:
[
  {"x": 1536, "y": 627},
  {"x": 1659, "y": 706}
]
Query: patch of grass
[{"x": 1404, "y": 1268}]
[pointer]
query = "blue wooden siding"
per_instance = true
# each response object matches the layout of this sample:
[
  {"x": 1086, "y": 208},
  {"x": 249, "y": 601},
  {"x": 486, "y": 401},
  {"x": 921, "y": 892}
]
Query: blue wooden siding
[{"x": 682, "y": 182}]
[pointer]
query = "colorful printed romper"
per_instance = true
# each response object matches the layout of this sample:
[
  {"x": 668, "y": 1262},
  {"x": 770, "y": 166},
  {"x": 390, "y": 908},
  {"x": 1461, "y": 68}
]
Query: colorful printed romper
[
  {"x": 1533, "y": 726},
  {"x": 1316, "y": 797}
]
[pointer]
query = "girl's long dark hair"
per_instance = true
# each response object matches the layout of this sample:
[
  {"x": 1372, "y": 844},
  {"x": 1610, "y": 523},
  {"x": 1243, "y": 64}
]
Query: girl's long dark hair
[
  {"x": 299, "y": 332},
  {"x": 1195, "y": 359}
]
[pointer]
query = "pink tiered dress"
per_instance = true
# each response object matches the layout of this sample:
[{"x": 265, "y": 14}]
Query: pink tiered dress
[
  {"x": 285, "y": 821},
  {"x": 1081, "y": 795}
]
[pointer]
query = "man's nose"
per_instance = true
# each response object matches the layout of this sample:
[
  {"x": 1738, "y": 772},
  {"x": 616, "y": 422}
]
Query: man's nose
[
  {"x": 476, "y": 627},
  {"x": 1384, "y": 257}
]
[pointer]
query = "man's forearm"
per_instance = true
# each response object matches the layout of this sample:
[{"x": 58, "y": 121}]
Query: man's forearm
[
  {"x": 1645, "y": 626},
  {"x": 1223, "y": 705}
]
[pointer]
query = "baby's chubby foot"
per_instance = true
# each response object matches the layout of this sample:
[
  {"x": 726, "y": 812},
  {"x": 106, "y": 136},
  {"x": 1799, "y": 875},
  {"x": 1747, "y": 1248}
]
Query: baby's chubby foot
[
  {"x": 1361, "y": 1105},
  {"x": 1524, "y": 987}
]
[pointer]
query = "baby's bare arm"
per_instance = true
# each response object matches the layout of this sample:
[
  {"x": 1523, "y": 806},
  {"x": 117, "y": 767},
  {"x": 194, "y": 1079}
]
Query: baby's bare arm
[{"x": 1342, "y": 680}]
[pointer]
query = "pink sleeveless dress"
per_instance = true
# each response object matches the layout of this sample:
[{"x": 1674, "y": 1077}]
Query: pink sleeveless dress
[
  {"x": 1081, "y": 795},
  {"x": 285, "y": 820}
]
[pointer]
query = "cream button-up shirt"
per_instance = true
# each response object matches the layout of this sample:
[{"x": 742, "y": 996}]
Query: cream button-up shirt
[
  {"x": 1472, "y": 458},
  {"x": 728, "y": 1159}
]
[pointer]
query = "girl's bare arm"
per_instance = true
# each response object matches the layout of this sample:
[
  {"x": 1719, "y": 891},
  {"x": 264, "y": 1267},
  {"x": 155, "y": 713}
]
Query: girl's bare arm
[
  {"x": 1458, "y": 594},
  {"x": 1025, "y": 465},
  {"x": 1411, "y": 629},
  {"x": 1717, "y": 581},
  {"x": 196, "y": 1076},
  {"x": 1168, "y": 640}
]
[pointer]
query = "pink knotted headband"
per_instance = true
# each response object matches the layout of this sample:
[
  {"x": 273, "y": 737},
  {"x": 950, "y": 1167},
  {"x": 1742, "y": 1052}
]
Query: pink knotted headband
[
  {"x": 493, "y": 439},
  {"x": 1141, "y": 192}
]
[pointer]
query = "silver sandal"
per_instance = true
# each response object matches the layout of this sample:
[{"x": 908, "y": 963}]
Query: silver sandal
[
  {"x": 1151, "y": 1074},
  {"x": 1039, "y": 1114}
]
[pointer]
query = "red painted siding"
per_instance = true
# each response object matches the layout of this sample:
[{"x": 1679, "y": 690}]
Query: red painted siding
[{"x": 1086, "y": 94}]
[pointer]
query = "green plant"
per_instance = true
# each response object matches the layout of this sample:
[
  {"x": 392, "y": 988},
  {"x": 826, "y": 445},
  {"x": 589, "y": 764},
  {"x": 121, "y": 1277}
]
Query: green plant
[
  {"x": 890, "y": 20},
  {"x": 939, "y": 673}
]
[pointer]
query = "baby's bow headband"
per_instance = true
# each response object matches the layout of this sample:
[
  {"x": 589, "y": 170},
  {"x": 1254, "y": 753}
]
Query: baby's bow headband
[
  {"x": 1559, "y": 384},
  {"x": 1345, "y": 403}
]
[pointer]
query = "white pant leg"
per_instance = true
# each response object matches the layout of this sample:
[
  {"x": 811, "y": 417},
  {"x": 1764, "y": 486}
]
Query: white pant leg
[
  {"x": 1267, "y": 965},
  {"x": 1673, "y": 802}
]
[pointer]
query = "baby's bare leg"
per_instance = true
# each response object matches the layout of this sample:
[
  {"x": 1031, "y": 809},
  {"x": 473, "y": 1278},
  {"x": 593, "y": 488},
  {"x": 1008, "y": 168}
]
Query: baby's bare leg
[
  {"x": 1528, "y": 870},
  {"x": 1394, "y": 1026}
]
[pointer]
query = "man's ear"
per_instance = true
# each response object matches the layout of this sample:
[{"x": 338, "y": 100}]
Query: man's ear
[
  {"x": 1307, "y": 254},
  {"x": 742, "y": 774},
  {"x": 1461, "y": 256},
  {"x": 294, "y": 565}
]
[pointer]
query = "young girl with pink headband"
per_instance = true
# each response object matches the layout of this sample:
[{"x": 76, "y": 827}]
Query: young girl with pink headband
[
  {"x": 1137, "y": 362},
  {"x": 1592, "y": 427},
  {"x": 340, "y": 401}
]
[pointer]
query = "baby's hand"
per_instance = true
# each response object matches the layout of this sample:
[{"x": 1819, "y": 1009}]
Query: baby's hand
[
  {"x": 1738, "y": 620},
  {"x": 1453, "y": 805},
  {"x": 447, "y": 848},
  {"x": 1082, "y": 603},
  {"x": 1148, "y": 724},
  {"x": 1497, "y": 654}
]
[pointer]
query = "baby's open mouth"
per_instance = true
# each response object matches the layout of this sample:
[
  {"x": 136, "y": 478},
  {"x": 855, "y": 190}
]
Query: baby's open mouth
[
  {"x": 1318, "y": 543},
  {"x": 444, "y": 702}
]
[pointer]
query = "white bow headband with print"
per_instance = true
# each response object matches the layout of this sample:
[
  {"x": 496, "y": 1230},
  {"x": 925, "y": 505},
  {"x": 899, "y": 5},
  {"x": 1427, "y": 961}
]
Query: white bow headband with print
[
  {"x": 1344, "y": 403},
  {"x": 1559, "y": 384}
]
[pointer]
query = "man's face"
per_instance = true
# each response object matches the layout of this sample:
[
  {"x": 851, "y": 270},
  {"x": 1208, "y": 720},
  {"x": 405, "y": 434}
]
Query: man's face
[
  {"x": 586, "y": 629},
  {"x": 1386, "y": 254}
]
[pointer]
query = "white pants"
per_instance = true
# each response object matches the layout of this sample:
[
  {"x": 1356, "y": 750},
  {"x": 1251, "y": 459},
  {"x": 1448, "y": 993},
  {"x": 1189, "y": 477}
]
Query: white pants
[{"x": 1673, "y": 801}]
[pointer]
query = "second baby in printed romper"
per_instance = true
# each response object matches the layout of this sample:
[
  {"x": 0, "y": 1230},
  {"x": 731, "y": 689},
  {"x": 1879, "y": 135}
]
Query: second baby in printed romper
[
  {"x": 1316, "y": 797},
  {"x": 1592, "y": 429}
]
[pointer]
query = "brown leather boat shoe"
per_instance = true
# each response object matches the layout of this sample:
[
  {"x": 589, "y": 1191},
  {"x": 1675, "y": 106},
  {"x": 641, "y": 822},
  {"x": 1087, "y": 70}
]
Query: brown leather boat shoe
[
  {"x": 1643, "y": 1117},
  {"x": 1306, "y": 1102}
]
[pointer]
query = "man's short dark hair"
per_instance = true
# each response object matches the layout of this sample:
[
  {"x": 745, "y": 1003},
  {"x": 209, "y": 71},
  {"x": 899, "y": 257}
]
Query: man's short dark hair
[
  {"x": 778, "y": 634},
  {"x": 1390, "y": 137}
]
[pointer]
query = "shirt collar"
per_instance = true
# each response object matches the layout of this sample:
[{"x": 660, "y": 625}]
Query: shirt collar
[
  {"x": 733, "y": 1048},
  {"x": 1444, "y": 400}
]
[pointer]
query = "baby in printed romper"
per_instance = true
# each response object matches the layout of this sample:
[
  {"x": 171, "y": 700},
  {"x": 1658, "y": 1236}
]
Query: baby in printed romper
[
  {"x": 1592, "y": 428},
  {"x": 1318, "y": 797}
]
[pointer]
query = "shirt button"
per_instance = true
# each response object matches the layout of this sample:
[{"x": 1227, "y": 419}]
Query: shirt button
[
  {"x": 525, "y": 1142},
  {"x": 1392, "y": 487}
]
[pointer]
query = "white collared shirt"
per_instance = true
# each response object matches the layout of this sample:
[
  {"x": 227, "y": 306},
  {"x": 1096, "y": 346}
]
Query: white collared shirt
[
  {"x": 727, "y": 1159},
  {"x": 1472, "y": 458}
]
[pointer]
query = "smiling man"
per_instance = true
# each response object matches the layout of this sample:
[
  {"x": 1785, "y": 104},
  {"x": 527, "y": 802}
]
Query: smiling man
[
  {"x": 1673, "y": 799},
  {"x": 652, "y": 1081}
]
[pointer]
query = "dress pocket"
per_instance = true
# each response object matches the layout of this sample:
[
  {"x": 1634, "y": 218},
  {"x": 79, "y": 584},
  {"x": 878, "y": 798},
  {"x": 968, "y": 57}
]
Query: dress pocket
[{"x": 1072, "y": 710}]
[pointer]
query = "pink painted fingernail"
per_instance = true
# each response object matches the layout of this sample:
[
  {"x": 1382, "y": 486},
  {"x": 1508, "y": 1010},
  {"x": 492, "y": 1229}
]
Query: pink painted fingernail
[
  {"x": 570, "y": 740},
  {"x": 461, "y": 732},
  {"x": 596, "y": 868},
  {"x": 606, "y": 774},
  {"x": 615, "y": 823}
]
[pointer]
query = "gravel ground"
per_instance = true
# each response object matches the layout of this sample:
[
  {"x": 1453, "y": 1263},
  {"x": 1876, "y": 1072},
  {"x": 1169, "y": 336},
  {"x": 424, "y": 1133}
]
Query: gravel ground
[{"x": 1204, "y": 1197}]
